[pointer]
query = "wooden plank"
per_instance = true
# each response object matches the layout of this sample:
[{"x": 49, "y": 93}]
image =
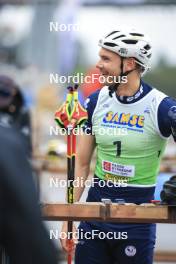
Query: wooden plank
[
  {"x": 165, "y": 256},
  {"x": 76, "y": 211},
  {"x": 129, "y": 213},
  {"x": 147, "y": 213}
]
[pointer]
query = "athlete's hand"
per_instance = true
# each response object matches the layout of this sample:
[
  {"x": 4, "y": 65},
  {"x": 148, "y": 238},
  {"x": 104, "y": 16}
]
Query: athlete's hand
[{"x": 64, "y": 240}]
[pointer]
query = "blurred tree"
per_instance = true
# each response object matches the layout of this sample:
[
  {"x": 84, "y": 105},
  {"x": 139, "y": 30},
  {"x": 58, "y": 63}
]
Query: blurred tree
[{"x": 163, "y": 77}]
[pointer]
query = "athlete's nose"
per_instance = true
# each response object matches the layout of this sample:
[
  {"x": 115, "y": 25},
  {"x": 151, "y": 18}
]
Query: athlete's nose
[{"x": 99, "y": 65}]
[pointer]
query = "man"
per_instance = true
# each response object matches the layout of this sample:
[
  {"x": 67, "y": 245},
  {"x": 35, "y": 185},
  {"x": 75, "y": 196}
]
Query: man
[
  {"x": 13, "y": 111},
  {"x": 142, "y": 118},
  {"x": 22, "y": 233}
]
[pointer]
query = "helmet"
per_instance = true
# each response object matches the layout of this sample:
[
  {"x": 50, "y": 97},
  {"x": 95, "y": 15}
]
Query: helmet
[
  {"x": 127, "y": 44},
  {"x": 168, "y": 194},
  {"x": 10, "y": 94}
]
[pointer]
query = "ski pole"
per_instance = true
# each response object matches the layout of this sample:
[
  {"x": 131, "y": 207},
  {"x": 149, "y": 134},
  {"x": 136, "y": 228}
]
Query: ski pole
[{"x": 71, "y": 115}]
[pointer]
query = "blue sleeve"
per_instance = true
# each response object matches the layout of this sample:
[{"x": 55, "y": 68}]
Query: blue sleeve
[
  {"x": 90, "y": 104},
  {"x": 167, "y": 117}
]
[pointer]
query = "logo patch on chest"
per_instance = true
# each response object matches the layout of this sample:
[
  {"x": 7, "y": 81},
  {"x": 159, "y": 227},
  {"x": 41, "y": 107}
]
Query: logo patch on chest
[
  {"x": 130, "y": 120},
  {"x": 118, "y": 169}
]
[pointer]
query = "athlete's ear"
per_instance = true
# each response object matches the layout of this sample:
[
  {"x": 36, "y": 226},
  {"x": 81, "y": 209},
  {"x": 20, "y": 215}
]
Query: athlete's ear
[{"x": 129, "y": 64}]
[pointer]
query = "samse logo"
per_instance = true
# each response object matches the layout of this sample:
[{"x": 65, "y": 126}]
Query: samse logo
[{"x": 124, "y": 119}]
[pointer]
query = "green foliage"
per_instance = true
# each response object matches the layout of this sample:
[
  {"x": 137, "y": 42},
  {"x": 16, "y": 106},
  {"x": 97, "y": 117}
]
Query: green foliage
[{"x": 163, "y": 77}]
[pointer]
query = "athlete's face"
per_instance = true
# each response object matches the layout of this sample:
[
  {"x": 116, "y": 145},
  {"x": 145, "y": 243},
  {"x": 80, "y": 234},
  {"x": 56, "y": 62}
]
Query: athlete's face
[{"x": 109, "y": 65}]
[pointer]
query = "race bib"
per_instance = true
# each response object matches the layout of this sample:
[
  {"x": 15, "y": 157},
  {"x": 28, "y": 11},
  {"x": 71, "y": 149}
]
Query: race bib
[{"x": 118, "y": 169}]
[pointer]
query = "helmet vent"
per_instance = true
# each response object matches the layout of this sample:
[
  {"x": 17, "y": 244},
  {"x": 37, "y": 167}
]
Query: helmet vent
[
  {"x": 137, "y": 34},
  {"x": 130, "y": 41},
  {"x": 110, "y": 44},
  {"x": 147, "y": 47},
  {"x": 149, "y": 56},
  {"x": 113, "y": 32},
  {"x": 119, "y": 37}
]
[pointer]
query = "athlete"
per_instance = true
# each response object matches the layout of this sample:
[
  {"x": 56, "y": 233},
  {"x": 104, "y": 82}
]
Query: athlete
[{"x": 141, "y": 118}]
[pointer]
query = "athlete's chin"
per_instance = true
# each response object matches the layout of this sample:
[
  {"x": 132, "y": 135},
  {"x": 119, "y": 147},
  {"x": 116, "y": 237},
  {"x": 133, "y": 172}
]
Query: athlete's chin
[
  {"x": 106, "y": 80},
  {"x": 108, "y": 83}
]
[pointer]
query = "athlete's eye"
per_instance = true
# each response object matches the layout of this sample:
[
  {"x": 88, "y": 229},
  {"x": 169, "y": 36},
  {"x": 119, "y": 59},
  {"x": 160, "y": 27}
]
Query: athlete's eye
[{"x": 105, "y": 58}]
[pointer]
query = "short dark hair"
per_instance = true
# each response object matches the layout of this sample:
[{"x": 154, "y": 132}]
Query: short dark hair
[{"x": 140, "y": 68}]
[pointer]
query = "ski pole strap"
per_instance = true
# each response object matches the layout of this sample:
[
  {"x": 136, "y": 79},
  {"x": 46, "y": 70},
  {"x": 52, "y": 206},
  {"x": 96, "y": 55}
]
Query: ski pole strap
[
  {"x": 79, "y": 114},
  {"x": 62, "y": 115},
  {"x": 71, "y": 114}
]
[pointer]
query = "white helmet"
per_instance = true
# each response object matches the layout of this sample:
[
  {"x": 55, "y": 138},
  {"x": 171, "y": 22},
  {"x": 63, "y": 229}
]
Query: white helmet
[{"x": 129, "y": 44}]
